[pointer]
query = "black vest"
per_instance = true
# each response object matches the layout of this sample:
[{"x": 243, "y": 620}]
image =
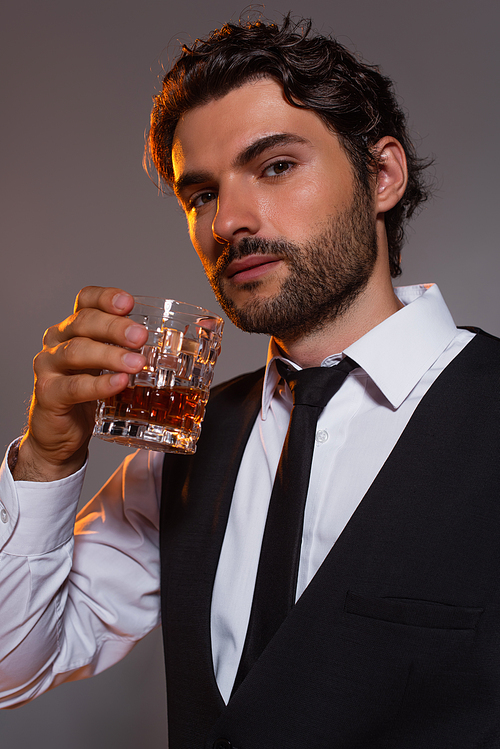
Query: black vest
[{"x": 396, "y": 640}]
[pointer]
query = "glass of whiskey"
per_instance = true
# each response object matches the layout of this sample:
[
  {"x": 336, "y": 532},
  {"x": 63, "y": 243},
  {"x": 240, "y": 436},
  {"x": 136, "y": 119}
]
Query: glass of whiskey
[{"x": 163, "y": 405}]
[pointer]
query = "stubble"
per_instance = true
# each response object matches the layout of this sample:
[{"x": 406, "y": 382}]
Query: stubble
[{"x": 324, "y": 278}]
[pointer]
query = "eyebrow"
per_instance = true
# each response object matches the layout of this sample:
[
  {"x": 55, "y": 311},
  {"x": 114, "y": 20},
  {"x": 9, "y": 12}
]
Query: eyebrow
[
  {"x": 263, "y": 144},
  {"x": 242, "y": 159},
  {"x": 190, "y": 178}
]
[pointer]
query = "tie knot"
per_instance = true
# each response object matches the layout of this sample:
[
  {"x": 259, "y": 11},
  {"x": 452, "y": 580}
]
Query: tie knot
[{"x": 315, "y": 386}]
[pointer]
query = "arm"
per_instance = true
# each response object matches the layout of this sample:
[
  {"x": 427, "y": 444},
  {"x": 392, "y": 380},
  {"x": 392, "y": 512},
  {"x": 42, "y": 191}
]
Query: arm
[
  {"x": 69, "y": 615},
  {"x": 56, "y": 617}
]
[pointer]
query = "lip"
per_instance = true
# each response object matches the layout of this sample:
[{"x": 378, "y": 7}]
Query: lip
[{"x": 251, "y": 267}]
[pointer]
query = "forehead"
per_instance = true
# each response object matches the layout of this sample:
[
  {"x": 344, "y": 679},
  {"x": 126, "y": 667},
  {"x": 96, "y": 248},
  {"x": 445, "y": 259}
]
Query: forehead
[{"x": 212, "y": 133}]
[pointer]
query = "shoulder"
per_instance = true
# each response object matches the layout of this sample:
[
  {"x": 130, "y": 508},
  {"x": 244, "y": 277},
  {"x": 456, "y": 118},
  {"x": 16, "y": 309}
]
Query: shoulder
[
  {"x": 483, "y": 350},
  {"x": 473, "y": 376},
  {"x": 479, "y": 331}
]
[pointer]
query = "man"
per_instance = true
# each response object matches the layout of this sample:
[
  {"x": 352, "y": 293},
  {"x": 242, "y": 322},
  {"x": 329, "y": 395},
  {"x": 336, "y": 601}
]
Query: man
[{"x": 292, "y": 162}]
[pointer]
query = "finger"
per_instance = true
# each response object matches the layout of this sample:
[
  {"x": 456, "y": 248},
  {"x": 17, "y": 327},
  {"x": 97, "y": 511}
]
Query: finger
[
  {"x": 83, "y": 354},
  {"x": 108, "y": 299},
  {"x": 99, "y": 326},
  {"x": 59, "y": 394}
]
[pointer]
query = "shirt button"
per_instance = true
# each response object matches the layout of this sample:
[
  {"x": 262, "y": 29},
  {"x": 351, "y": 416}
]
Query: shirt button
[
  {"x": 4, "y": 515},
  {"x": 321, "y": 436},
  {"x": 222, "y": 744}
]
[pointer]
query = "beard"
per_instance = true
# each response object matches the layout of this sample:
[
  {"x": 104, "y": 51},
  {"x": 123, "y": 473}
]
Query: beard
[{"x": 325, "y": 275}]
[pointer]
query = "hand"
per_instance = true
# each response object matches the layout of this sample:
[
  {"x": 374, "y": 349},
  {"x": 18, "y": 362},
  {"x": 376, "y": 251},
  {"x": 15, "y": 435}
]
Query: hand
[{"x": 68, "y": 381}]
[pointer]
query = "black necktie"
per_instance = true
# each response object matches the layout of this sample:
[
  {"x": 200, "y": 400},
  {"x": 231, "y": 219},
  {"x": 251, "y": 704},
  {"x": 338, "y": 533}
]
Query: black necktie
[{"x": 276, "y": 581}]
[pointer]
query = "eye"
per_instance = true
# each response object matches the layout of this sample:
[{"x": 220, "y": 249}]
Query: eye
[
  {"x": 278, "y": 168},
  {"x": 200, "y": 200}
]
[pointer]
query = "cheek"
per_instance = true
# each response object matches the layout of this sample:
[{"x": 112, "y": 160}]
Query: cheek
[
  {"x": 193, "y": 235},
  {"x": 299, "y": 210},
  {"x": 202, "y": 240}
]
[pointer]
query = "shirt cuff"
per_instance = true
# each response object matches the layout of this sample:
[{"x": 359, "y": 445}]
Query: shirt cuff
[{"x": 36, "y": 517}]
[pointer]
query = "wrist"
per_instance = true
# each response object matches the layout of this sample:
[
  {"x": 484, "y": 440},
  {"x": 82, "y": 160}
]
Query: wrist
[
  {"x": 13, "y": 455},
  {"x": 27, "y": 463}
]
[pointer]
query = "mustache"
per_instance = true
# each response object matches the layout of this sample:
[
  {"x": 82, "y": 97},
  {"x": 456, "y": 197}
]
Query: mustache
[{"x": 254, "y": 246}]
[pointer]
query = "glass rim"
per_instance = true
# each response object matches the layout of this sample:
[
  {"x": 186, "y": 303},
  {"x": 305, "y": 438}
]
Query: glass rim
[{"x": 167, "y": 307}]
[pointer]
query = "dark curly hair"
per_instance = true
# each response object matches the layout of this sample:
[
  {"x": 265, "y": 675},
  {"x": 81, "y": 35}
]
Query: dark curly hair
[{"x": 354, "y": 99}]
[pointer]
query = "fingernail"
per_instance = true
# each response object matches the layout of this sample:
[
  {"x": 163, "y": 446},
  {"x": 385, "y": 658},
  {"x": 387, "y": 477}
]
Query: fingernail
[
  {"x": 121, "y": 301},
  {"x": 133, "y": 360},
  {"x": 115, "y": 380},
  {"x": 134, "y": 333}
]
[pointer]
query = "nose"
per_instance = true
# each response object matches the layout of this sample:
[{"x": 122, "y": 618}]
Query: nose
[{"x": 237, "y": 216}]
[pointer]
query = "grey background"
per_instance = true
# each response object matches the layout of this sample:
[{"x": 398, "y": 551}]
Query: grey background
[{"x": 77, "y": 209}]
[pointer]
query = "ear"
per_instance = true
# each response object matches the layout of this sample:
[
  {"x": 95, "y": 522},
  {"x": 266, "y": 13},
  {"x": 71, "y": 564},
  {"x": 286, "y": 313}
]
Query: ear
[{"x": 392, "y": 173}]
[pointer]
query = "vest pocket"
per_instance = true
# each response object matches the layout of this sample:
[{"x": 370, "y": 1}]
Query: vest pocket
[{"x": 412, "y": 612}]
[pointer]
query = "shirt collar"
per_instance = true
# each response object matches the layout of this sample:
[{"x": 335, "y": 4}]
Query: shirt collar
[{"x": 396, "y": 353}]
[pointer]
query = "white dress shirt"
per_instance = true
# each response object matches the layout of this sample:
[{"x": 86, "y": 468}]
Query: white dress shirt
[{"x": 66, "y": 617}]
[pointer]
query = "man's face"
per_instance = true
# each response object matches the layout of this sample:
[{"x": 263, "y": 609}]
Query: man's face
[{"x": 285, "y": 233}]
